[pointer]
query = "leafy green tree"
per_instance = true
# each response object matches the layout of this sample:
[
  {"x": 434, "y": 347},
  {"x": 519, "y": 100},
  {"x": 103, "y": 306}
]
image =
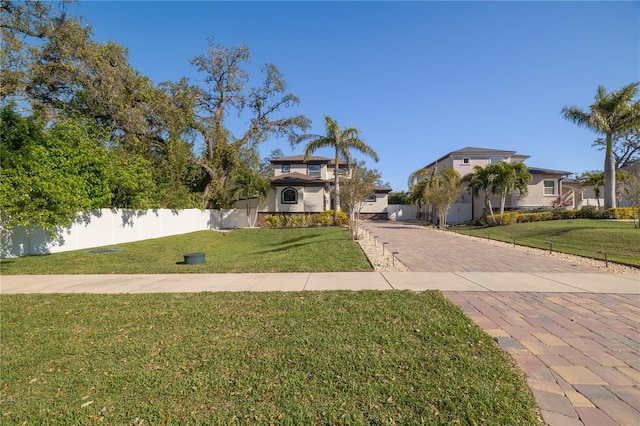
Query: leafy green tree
[
  {"x": 131, "y": 181},
  {"x": 626, "y": 146},
  {"x": 48, "y": 175},
  {"x": 226, "y": 90},
  {"x": 594, "y": 179},
  {"x": 21, "y": 22},
  {"x": 360, "y": 183},
  {"x": 400, "y": 197},
  {"x": 342, "y": 141},
  {"x": 609, "y": 115},
  {"x": 266, "y": 167}
]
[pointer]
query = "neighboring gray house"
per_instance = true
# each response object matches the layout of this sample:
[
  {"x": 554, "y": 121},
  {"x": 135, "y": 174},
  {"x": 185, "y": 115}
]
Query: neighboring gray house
[
  {"x": 545, "y": 186},
  {"x": 299, "y": 186}
]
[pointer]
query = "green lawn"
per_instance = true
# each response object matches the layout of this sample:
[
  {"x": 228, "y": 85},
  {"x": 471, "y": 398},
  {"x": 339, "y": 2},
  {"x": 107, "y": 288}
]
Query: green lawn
[
  {"x": 244, "y": 250},
  {"x": 584, "y": 237},
  {"x": 307, "y": 358}
]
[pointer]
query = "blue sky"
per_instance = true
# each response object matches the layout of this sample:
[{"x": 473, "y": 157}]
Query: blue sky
[{"x": 419, "y": 79}]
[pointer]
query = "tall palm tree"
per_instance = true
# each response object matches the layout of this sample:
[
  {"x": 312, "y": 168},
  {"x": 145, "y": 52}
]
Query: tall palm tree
[
  {"x": 343, "y": 141},
  {"x": 482, "y": 179},
  {"x": 595, "y": 180},
  {"x": 610, "y": 114},
  {"x": 509, "y": 178}
]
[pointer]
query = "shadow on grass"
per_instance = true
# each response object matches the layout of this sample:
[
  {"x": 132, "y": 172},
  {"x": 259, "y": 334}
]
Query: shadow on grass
[
  {"x": 287, "y": 247},
  {"x": 295, "y": 240}
]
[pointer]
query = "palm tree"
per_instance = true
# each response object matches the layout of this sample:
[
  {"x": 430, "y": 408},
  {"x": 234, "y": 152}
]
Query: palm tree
[
  {"x": 442, "y": 189},
  {"x": 610, "y": 114},
  {"x": 509, "y": 178},
  {"x": 482, "y": 179},
  {"x": 343, "y": 141},
  {"x": 249, "y": 184},
  {"x": 595, "y": 180}
]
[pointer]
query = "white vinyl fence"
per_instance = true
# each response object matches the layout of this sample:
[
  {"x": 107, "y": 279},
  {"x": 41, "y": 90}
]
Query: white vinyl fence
[
  {"x": 402, "y": 212},
  {"x": 103, "y": 227}
]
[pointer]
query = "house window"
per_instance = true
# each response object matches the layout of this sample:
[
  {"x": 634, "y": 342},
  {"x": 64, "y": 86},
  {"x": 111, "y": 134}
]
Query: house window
[
  {"x": 289, "y": 196},
  {"x": 549, "y": 187},
  {"x": 313, "y": 170},
  {"x": 370, "y": 199},
  {"x": 466, "y": 161},
  {"x": 495, "y": 159},
  {"x": 286, "y": 168},
  {"x": 342, "y": 170}
]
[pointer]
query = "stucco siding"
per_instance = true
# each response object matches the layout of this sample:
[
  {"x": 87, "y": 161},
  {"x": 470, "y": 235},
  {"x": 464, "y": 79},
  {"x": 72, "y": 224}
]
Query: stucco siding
[{"x": 378, "y": 206}]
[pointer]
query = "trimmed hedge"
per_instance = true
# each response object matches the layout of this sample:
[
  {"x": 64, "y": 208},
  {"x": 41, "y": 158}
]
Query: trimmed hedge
[
  {"x": 622, "y": 213},
  {"x": 305, "y": 220},
  {"x": 587, "y": 212}
]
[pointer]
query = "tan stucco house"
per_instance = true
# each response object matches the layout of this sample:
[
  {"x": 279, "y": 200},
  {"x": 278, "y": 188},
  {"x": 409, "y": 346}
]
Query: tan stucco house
[
  {"x": 299, "y": 186},
  {"x": 545, "y": 186}
]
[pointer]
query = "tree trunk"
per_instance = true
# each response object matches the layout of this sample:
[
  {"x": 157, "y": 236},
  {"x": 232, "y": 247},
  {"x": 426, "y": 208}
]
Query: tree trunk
[
  {"x": 609, "y": 176},
  {"x": 487, "y": 203},
  {"x": 336, "y": 194}
]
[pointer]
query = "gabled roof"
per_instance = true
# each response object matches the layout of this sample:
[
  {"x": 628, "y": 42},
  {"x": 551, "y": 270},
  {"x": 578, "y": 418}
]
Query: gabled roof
[
  {"x": 300, "y": 159},
  {"x": 296, "y": 178}
]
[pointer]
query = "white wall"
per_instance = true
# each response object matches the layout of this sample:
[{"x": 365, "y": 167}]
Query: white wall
[
  {"x": 107, "y": 227},
  {"x": 402, "y": 212}
]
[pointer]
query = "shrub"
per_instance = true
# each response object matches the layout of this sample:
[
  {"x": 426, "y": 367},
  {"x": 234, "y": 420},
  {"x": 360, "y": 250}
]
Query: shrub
[
  {"x": 273, "y": 221},
  {"x": 546, "y": 216},
  {"x": 297, "y": 221},
  {"x": 620, "y": 213},
  {"x": 343, "y": 219},
  {"x": 589, "y": 212},
  {"x": 326, "y": 218},
  {"x": 568, "y": 214}
]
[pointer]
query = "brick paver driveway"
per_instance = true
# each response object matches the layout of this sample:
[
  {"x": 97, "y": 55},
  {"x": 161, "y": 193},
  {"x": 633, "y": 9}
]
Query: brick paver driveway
[
  {"x": 424, "y": 249},
  {"x": 580, "y": 352}
]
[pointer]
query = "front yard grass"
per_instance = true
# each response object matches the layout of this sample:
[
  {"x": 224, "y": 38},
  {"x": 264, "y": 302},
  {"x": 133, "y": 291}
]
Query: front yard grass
[
  {"x": 583, "y": 237},
  {"x": 253, "y": 358},
  {"x": 320, "y": 249}
]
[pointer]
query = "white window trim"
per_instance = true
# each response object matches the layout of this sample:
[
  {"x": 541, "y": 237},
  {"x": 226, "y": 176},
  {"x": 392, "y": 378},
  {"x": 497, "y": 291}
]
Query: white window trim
[{"x": 544, "y": 188}]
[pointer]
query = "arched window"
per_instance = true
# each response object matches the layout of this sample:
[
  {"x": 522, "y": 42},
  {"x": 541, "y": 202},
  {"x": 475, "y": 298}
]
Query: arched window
[{"x": 289, "y": 196}]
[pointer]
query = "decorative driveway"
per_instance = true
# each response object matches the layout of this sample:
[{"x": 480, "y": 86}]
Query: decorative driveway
[{"x": 580, "y": 351}]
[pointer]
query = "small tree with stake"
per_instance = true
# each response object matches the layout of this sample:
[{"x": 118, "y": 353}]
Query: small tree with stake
[{"x": 354, "y": 191}]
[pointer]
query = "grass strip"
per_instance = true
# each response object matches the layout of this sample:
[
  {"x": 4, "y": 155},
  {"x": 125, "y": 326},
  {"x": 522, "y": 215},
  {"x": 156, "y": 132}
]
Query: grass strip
[
  {"x": 320, "y": 249},
  {"x": 253, "y": 358},
  {"x": 582, "y": 237}
]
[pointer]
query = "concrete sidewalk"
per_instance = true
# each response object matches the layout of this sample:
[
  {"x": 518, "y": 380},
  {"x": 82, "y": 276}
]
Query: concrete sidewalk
[{"x": 546, "y": 282}]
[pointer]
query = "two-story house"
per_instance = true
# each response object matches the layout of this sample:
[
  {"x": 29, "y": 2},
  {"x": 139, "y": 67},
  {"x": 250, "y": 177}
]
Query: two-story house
[
  {"x": 299, "y": 186},
  {"x": 545, "y": 186}
]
